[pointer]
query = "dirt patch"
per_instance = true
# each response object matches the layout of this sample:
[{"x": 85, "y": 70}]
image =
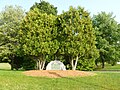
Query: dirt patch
[{"x": 58, "y": 73}]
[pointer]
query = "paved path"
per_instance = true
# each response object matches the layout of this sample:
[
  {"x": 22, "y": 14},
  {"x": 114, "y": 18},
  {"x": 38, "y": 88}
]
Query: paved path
[{"x": 117, "y": 71}]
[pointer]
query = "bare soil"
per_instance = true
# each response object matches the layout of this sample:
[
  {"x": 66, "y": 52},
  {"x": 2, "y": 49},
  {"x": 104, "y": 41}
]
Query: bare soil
[{"x": 58, "y": 73}]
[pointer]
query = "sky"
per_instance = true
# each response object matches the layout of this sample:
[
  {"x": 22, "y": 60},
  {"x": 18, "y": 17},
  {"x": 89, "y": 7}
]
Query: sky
[{"x": 92, "y": 6}]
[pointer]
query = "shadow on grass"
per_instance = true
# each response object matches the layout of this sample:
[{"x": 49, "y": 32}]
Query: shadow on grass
[
  {"x": 5, "y": 70},
  {"x": 88, "y": 84},
  {"x": 10, "y": 70},
  {"x": 56, "y": 74},
  {"x": 78, "y": 81}
]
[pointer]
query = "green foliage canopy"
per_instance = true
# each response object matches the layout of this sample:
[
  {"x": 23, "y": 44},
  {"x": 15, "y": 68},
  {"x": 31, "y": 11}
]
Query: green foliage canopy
[
  {"x": 37, "y": 35},
  {"x": 45, "y": 7},
  {"x": 10, "y": 19},
  {"x": 76, "y": 37},
  {"x": 106, "y": 29}
]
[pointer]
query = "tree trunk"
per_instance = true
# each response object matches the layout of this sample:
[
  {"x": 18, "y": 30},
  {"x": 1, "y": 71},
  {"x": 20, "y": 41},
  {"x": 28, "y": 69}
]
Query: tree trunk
[
  {"x": 12, "y": 61},
  {"x": 96, "y": 63},
  {"x": 12, "y": 65},
  {"x": 40, "y": 64},
  {"x": 37, "y": 65},
  {"x": 74, "y": 63},
  {"x": 103, "y": 62}
]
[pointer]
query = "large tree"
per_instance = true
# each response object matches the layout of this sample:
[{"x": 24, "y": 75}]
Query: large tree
[
  {"x": 117, "y": 46},
  {"x": 76, "y": 37},
  {"x": 47, "y": 9},
  {"x": 37, "y": 36},
  {"x": 10, "y": 19},
  {"x": 106, "y": 29}
]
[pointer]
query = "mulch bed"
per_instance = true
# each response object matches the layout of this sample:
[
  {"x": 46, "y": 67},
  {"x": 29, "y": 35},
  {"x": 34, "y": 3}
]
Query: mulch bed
[{"x": 58, "y": 73}]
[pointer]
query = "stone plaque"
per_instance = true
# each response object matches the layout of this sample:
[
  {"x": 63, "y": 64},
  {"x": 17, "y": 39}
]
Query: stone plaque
[{"x": 55, "y": 65}]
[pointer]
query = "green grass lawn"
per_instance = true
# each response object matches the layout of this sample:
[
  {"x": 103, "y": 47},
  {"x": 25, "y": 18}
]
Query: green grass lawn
[
  {"x": 110, "y": 68},
  {"x": 15, "y": 80}
]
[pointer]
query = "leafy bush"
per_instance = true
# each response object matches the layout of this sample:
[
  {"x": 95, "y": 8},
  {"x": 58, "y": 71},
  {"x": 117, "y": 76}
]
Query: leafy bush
[{"x": 85, "y": 65}]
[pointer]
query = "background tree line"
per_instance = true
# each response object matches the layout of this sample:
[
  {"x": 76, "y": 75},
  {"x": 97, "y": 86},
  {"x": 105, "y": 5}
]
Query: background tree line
[{"x": 30, "y": 40}]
